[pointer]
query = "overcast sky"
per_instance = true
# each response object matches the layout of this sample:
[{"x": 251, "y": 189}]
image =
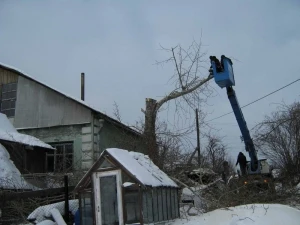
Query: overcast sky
[{"x": 116, "y": 44}]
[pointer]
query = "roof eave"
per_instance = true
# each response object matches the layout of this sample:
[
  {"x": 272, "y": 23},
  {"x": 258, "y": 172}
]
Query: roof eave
[{"x": 20, "y": 143}]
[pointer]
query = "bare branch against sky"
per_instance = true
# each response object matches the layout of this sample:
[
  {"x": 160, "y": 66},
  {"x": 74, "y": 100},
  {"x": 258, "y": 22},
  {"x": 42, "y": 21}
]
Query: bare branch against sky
[{"x": 116, "y": 44}]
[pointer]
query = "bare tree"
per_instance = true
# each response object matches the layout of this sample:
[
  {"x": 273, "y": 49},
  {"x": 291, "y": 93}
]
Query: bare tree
[
  {"x": 189, "y": 90},
  {"x": 116, "y": 112},
  {"x": 215, "y": 152},
  {"x": 170, "y": 145},
  {"x": 278, "y": 138}
]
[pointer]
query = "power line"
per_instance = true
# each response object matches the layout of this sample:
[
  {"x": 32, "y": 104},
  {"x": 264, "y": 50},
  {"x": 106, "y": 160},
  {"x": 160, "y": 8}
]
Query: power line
[{"x": 257, "y": 99}]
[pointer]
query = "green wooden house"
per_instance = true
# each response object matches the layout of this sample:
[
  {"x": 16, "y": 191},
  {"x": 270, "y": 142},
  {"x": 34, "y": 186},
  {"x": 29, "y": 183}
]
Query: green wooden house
[{"x": 78, "y": 131}]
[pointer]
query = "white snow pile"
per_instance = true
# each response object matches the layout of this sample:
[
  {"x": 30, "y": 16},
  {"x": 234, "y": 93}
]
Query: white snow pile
[
  {"x": 275, "y": 173},
  {"x": 10, "y": 176},
  {"x": 44, "y": 212},
  {"x": 140, "y": 166},
  {"x": 128, "y": 184},
  {"x": 9, "y": 133},
  {"x": 253, "y": 214}
]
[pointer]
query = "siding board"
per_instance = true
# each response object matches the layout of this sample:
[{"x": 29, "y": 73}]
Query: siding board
[{"x": 38, "y": 106}]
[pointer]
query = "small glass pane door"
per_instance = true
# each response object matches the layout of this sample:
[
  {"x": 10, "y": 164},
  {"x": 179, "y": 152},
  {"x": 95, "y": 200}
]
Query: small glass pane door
[{"x": 109, "y": 200}]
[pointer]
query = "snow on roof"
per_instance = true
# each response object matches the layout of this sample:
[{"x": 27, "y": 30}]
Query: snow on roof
[
  {"x": 21, "y": 73},
  {"x": 10, "y": 176},
  {"x": 9, "y": 133},
  {"x": 140, "y": 166},
  {"x": 128, "y": 184}
]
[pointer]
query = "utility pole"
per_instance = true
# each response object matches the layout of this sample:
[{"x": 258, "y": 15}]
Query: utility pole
[{"x": 198, "y": 137}]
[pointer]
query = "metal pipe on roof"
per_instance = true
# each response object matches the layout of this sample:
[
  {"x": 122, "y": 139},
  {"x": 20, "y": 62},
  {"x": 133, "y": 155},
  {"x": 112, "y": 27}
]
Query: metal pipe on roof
[{"x": 82, "y": 86}]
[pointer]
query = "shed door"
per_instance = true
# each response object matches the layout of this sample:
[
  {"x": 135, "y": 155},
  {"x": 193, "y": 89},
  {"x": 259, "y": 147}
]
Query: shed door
[{"x": 108, "y": 198}]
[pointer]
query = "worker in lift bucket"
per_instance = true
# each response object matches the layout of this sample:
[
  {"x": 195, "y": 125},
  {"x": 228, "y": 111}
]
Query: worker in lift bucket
[
  {"x": 217, "y": 62},
  {"x": 242, "y": 160}
]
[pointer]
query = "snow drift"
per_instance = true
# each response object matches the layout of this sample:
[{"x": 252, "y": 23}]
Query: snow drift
[
  {"x": 258, "y": 214},
  {"x": 10, "y": 176}
]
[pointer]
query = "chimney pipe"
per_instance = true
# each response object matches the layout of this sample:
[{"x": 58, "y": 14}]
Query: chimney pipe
[{"x": 82, "y": 86}]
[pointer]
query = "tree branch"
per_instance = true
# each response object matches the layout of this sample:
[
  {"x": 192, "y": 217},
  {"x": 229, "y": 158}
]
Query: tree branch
[
  {"x": 178, "y": 71},
  {"x": 177, "y": 94}
]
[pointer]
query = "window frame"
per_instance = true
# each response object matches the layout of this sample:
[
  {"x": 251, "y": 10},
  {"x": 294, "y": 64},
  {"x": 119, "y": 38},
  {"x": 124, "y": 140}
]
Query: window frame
[
  {"x": 64, "y": 154},
  {"x": 10, "y": 110}
]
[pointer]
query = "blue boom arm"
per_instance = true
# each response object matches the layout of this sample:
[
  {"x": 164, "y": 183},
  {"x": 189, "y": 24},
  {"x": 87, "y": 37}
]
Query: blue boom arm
[{"x": 224, "y": 77}]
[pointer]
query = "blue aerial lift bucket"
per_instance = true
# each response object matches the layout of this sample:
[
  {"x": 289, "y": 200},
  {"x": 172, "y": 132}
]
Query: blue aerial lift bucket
[{"x": 224, "y": 77}]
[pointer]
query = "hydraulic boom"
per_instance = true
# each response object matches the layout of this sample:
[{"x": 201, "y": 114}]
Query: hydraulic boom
[{"x": 224, "y": 77}]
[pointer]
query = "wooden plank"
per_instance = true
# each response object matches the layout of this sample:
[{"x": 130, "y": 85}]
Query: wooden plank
[
  {"x": 8, "y": 196},
  {"x": 7, "y": 76},
  {"x": 141, "y": 206}
]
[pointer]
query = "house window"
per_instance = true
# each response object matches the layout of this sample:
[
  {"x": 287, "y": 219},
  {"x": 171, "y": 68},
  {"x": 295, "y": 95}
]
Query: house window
[
  {"x": 61, "y": 159},
  {"x": 8, "y": 99}
]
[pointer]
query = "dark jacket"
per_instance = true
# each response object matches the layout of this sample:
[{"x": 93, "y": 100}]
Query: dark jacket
[{"x": 242, "y": 160}]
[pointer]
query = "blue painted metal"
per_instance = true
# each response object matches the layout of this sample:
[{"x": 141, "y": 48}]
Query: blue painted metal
[
  {"x": 77, "y": 217},
  {"x": 226, "y": 79},
  {"x": 249, "y": 146}
]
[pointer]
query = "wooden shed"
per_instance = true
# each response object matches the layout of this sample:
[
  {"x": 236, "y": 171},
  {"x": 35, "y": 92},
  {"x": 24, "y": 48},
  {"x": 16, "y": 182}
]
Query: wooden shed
[{"x": 125, "y": 187}]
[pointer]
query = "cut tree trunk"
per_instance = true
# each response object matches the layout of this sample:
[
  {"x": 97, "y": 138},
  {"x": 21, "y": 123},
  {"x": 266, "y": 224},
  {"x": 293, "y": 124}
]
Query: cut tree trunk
[{"x": 149, "y": 130}]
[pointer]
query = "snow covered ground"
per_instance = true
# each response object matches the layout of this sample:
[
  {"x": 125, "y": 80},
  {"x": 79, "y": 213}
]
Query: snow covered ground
[
  {"x": 256, "y": 214},
  {"x": 252, "y": 214}
]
